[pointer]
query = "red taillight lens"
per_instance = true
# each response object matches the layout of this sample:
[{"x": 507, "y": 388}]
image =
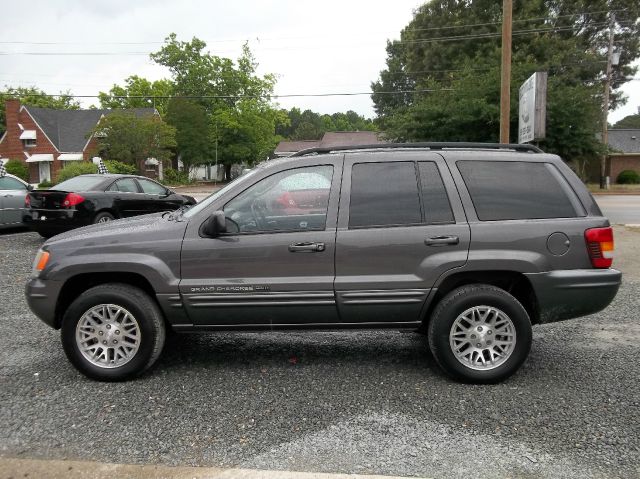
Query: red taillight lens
[
  {"x": 600, "y": 246},
  {"x": 27, "y": 202},
  {"x": 72, "y": 199}
]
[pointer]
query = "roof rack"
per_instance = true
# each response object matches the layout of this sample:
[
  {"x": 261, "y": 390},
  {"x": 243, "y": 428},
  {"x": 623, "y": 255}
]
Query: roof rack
[{"x": 524, "y": 148}]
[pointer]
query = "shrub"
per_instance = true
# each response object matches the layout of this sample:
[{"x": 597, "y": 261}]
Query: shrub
[
  {"x": 17, "y": 168},
  {"x": 120, "y": 168},
  {"x": 628, "y": 177},
  {"x": 43, "y": 185},
  {"x": 75, "y": 168},
  {"x": 175, "y": 177}
]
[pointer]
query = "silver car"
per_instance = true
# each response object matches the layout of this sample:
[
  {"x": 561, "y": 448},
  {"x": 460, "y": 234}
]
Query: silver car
[{"x": 12, "y": 193}]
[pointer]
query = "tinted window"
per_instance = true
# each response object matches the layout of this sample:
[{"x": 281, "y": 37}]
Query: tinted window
[
  {"x": 384, "y": 194},
  {"x": 8, "y": 183},
  {"x": 503, "y": 190},
  {"x": 434, "y": 196},
  {"x": 152, "y": 188},
  {"x": 292, "y": 200},
  {"x": 80, "y": 183},
  {"x": 127, "y": 185}
]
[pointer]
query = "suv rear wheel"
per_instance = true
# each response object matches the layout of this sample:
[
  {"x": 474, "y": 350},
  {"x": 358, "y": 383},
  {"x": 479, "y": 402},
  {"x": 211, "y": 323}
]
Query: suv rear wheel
[
  {"x": 113, "y": 332},
  {"x": 480, "y": 333}
]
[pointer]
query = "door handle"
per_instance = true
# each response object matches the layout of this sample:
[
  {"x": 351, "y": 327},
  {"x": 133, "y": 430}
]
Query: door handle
[
  {"x": 306, "y": 247},
  {"x": 442, "y": 241}
]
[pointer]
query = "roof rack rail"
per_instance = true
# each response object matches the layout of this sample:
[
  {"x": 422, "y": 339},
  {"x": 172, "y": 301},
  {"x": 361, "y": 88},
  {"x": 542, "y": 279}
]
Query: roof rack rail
[{"x": 430, "y": 145}]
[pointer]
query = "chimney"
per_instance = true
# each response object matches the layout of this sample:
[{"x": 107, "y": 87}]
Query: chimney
[{"x": 11, "y": 108}]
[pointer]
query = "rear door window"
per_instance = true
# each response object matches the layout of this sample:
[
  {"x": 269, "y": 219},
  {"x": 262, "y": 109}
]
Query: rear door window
[
  {"x": 437, "y": 208},
  {"x": 514, "y": 190},
  {"x": 384, "y": 194}
]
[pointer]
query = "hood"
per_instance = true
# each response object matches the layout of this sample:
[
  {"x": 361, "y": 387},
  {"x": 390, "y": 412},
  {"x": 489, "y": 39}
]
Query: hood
[{"x": 147, "y": 228}]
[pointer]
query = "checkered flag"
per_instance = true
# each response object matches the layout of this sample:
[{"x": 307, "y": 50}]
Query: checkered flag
[
  {"x": 102, "y": 169},
  {"x": 3, "y": 170}
]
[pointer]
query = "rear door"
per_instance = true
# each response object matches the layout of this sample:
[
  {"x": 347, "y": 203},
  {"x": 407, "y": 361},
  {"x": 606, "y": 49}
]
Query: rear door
[
  {"x": 275, "y": 266},
  {"x": 401, "y": 225}
]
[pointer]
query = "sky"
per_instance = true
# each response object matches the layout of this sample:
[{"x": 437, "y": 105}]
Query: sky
[{"x": 314, "y": 47}]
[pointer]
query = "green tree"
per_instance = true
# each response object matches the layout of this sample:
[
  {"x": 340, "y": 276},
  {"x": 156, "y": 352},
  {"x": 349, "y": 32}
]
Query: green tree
[
  {"x": 138, "y": 92},
  {"x": 193, "y": 136},
  {"x": 442, "y": 77},
  {"x": 35, "y": 97},
  {"x": 629, "y": 121},
  {"x": 246, "y": 134},
  {"x": 236, "y": 100},
  {"x": 125, "y": 137},
  {"x": 308, "y": 125}
]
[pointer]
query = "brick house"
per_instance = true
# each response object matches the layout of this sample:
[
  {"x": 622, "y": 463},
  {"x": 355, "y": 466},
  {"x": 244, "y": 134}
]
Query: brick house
[
  {"x": 625, "y": 144},
  {"x": 46, "y": 139}
]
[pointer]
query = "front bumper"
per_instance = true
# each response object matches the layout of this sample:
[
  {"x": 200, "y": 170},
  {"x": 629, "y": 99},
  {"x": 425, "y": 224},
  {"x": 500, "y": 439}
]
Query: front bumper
[
  {"x": 42, "y": 297},
  {"x": 567, "y": 294}
]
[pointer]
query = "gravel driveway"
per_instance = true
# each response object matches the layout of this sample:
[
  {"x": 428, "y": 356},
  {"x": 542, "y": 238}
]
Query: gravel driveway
[{"x": 361, "y": 402}]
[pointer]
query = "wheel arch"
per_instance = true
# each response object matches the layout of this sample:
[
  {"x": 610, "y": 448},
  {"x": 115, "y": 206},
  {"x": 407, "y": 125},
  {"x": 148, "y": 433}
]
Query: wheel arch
[
  {"x": 78, "y": 284},
  {"x": 514, "y": 283}
]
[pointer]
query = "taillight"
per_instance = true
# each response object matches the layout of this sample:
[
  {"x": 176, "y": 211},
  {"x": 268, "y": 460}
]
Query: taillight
[
  {"x": 27, "y": 202},
  {"x": 72, "y": 199},
  {"x": 600, "y": 246}
]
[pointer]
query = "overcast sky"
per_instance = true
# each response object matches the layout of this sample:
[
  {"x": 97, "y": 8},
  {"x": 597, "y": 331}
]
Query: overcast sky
[{"x": 314, "y": 47}]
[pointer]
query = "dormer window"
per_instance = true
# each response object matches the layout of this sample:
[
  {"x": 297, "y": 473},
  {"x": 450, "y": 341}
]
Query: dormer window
[{"x": 28, "y": 138}]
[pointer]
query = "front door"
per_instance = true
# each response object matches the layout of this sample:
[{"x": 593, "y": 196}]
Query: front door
[
  {"x": 399, "y": 229},
  {"x": 275, "y": 266},
  {"x": 44, "y": 171}
]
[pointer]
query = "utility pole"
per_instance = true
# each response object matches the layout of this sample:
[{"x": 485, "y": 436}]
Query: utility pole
[
  {"x": 605, "y": 107},
  {"x": 505, "y": 81}
]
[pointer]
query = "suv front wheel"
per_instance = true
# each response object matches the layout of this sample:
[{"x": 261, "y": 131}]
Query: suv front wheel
[
  {"x": 480, "y": 333},
  {"x": 113, "y": 332}
]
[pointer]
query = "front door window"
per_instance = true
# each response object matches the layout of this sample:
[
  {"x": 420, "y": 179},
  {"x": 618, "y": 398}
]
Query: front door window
[{"x": 44, "y": 169}]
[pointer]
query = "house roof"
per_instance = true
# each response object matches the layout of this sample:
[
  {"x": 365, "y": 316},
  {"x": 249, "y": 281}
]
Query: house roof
[
  {"x": 350, "y": 138},
  {"x": 287, "y": 146},
  {"x": 331, "y": 139},
  {"x": 69, "y": 129},
  {"x": 625, "y": 140}
]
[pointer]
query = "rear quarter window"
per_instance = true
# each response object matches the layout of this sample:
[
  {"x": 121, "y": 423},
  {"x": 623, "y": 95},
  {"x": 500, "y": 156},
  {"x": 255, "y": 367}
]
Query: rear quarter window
[{"x": 514, "y": 190}]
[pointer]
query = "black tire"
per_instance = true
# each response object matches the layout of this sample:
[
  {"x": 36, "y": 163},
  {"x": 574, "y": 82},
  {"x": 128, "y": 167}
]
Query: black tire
[
  {"x": 102, "y": 217},
  {"x": 142, "y": 308},
  {"x": 457, "y": 302},
  {"x": 46, "y": 235}
]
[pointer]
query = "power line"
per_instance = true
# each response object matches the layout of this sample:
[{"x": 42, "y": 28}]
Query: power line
[
  {"x": 472, "y": 36},
  {"x": 233, "y": 97},
  {"x": 448, "y": 27}
]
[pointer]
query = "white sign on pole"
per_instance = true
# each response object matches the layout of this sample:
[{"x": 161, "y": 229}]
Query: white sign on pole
[{"x": 532, "y": 108}]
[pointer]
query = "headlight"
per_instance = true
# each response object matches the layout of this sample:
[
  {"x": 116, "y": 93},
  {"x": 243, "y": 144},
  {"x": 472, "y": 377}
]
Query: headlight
[{"x": 42, "y": 258}]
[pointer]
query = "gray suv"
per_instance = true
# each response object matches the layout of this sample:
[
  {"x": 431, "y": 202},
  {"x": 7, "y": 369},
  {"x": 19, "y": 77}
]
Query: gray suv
[{"x": 470, "y": 243}]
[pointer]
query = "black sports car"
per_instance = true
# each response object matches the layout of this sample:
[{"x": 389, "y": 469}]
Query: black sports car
[{"x": 88, "y": 199}]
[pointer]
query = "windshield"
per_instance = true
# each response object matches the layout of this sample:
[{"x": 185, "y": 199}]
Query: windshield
[
  {"x": 80, "y": 183},
  {"x": 217, "y": 194}
]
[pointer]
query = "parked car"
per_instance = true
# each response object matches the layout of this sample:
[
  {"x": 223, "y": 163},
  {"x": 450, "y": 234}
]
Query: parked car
[
  {"x": 471, "y": 243},
  {"x": 88, "y": 199},
  {"x": 13, "y": 191}
]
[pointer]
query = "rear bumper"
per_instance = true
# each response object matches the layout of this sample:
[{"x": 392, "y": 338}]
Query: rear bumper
[
  {"x": 572, "y": 293},
  {"x": 55, "y": 221}
]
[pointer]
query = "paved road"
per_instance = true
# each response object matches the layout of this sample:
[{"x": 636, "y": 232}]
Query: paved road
[
  {"x": 369, "y": 402},
  {"x": 620, "y": 209}
]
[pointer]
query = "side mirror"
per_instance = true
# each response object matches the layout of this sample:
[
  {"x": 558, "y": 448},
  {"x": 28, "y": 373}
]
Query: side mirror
[
  {"x": 30, "y": 188},
  {"x": 215, "y": 225}
]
